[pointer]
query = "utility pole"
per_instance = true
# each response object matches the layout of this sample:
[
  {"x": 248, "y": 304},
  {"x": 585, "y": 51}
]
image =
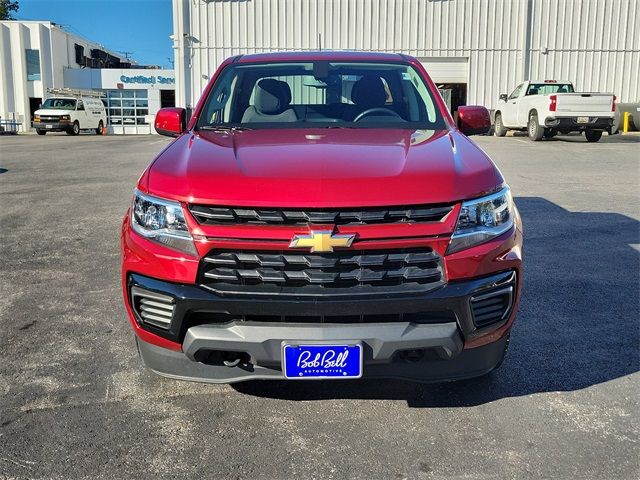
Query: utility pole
[{"x": 127, "y": 55}]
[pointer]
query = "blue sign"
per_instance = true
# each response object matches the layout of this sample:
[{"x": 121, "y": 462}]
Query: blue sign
[
  {"x": 150, "y": 80},
  {"x": 322, "y": 361}
]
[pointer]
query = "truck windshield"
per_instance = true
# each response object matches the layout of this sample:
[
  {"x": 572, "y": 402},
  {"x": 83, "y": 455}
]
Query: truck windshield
[
  {"x": 321, "y": 94},
  {"x": 59, "y": 104},
  {"x": 547, "y": 88}
]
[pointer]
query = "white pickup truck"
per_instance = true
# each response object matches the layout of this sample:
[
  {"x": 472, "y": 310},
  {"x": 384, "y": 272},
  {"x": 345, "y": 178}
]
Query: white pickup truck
[{"x": 547, "y": 107}]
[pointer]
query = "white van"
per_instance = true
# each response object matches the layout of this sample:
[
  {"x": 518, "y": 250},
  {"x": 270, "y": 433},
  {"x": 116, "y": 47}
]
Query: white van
[{"x": 69, "y": 112}]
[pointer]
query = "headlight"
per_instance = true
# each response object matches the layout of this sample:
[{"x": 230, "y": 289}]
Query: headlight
[
  {"x": 482, "y": 219},
  {"x": 36, "y": 118},
  {"x": 65, "y": 118},
  {"x": 161, "y": 221}
]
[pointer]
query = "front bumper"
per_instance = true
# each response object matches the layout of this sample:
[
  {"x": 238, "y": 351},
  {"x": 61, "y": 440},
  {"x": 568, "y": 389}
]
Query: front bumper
[
  {"x": 51, "y": 126},
  {"x": 430, "y": 347},
  {"x": 467, "y": 364}
]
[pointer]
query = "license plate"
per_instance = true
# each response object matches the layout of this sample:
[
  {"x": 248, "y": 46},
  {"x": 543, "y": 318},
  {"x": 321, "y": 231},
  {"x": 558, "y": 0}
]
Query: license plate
[
  {"x": 583, "y": 120},
  {"x": 322, "y": 361},
  {"x": 49, "y": 126}
]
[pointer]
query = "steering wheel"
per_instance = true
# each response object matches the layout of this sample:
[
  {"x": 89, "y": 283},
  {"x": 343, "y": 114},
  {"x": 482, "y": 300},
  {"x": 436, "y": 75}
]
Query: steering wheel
[{"x": 369, "y": 111}]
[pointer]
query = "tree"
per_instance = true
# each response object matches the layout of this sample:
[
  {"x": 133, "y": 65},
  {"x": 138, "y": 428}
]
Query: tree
[{"x": 6, "y": 7}]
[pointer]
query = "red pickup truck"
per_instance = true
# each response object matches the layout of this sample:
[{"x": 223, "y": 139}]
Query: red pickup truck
[{"x": 321, "y": 215}]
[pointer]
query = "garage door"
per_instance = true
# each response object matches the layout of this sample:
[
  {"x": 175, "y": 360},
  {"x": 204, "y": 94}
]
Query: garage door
[{"x": 447, "y": 69}]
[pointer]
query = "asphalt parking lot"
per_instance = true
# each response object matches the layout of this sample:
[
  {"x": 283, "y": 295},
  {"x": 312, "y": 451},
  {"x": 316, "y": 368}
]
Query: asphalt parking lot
[{"x": 75, "y": 401}]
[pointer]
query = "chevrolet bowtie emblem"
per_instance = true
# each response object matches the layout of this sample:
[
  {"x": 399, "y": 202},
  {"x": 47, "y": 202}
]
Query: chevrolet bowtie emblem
[{"x": 321, "y": 241}]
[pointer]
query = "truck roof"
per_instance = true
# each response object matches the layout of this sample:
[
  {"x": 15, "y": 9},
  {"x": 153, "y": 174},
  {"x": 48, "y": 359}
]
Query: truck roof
[
  {"x": 551, "y": 81},
  {"x": 336, "y": 55}
]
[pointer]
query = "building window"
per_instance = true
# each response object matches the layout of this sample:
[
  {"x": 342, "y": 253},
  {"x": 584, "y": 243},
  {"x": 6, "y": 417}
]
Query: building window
[
  {"x": 127, "y": 107},
  {"x": 33, "y": 64}
]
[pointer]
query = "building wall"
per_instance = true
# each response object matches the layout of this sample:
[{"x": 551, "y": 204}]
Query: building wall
[
  {"x": 595, "y": 43},
  {"x": 56, "y": 52},
  {"x": 150, "y": 81}
]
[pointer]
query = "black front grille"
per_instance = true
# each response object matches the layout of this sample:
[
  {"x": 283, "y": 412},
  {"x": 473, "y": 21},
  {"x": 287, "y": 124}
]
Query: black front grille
[
  {"x": 492, "y": 307},
  {"x": 49, "y": 118},
  {"x": 206, "y": 215},
  {"x": 347, "y": 272}
]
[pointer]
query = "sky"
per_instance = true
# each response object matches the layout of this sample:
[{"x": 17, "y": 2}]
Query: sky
[{"x": 141, "y": 27}]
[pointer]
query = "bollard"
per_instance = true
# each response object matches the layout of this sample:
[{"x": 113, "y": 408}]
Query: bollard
[{"x": 625, "y": 122}]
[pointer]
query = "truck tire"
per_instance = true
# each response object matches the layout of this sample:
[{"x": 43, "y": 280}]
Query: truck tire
[
  {"x": 75, "y": 129},
  {"x": 100, "y": 128},
  {"x": 550, "y": 133},
  {"x": 39, "y": 131},
  {"x": 499, "y": 129},
  {"x": 534, "y": 130},
  {"x": 592, "y": 135}
]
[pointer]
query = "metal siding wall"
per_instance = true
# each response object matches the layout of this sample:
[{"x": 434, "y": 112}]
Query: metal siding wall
[
  {"x": 594, "y": 43},
  {"x": 491, "y": 33}
]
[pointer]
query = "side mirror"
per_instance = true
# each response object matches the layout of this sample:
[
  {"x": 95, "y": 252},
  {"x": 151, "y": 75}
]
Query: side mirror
[
  {"x": 474, "y": 120},
  {"x": 503, "y": 97},
  {"x": 171, "y": 121}
]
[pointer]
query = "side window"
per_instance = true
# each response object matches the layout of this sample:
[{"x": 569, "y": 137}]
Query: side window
[
  {"x": 80, "y": 106},
  {"x": 535, "y": 90},
  {"x": 416, "y": 104},
  {"x": 516, "y": 92},
  {"x": 226, "y": 113},
  {"x": 219, "y": 107},
  {"x": 389, "y": 99}
]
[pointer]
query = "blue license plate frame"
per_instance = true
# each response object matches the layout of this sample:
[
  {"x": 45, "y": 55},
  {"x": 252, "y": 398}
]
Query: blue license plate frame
[{"x": 322, "y": 361}]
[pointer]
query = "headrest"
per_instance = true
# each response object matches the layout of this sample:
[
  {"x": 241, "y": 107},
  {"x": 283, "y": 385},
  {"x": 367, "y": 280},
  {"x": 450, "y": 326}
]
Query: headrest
[
  {"x": 369, "y": 92},
  {"x": 272, "y": 96}
]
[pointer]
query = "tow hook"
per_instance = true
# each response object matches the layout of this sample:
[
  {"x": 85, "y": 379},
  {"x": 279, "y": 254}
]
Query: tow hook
[
  {"x": 232, "y": 363},
  {"x": 234, "y": 359}
]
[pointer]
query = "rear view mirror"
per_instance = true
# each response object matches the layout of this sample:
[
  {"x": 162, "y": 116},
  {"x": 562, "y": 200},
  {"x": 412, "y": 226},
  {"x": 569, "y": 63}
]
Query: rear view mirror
[
  {"x": 171, "y": 121},
  {"x": 503, "y": 97},
  {"x": 473, "y": 120}
]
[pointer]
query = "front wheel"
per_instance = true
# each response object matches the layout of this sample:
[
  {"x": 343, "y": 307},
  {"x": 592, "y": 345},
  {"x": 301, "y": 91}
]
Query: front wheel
[
  {"x": 534, "y": 129},
  {"x": 41, "y": 132},
  {"x": 592, "y": 135},
  {"x": 100, "y": 128},
  {"x": 74, "y": 130},
  {"x": 499, "y": 129}
]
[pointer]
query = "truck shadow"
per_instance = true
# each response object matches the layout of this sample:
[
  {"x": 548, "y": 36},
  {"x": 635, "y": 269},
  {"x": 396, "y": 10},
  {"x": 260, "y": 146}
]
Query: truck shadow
[
  {"x": 633, "y": 138},
  {"x": 577, "y": 327},
  {"x": 575, "y": 137}
]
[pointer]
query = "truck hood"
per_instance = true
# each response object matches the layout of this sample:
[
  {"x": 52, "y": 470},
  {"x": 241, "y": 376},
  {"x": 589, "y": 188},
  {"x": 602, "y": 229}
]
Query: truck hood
[
  {"x": 321, "y": 168},
  {"x": 52, "y": 111}
]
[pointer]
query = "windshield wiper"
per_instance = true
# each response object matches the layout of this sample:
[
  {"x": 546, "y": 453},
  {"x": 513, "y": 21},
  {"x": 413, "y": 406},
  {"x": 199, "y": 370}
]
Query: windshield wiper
[{"x": 224, "y": 128}]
